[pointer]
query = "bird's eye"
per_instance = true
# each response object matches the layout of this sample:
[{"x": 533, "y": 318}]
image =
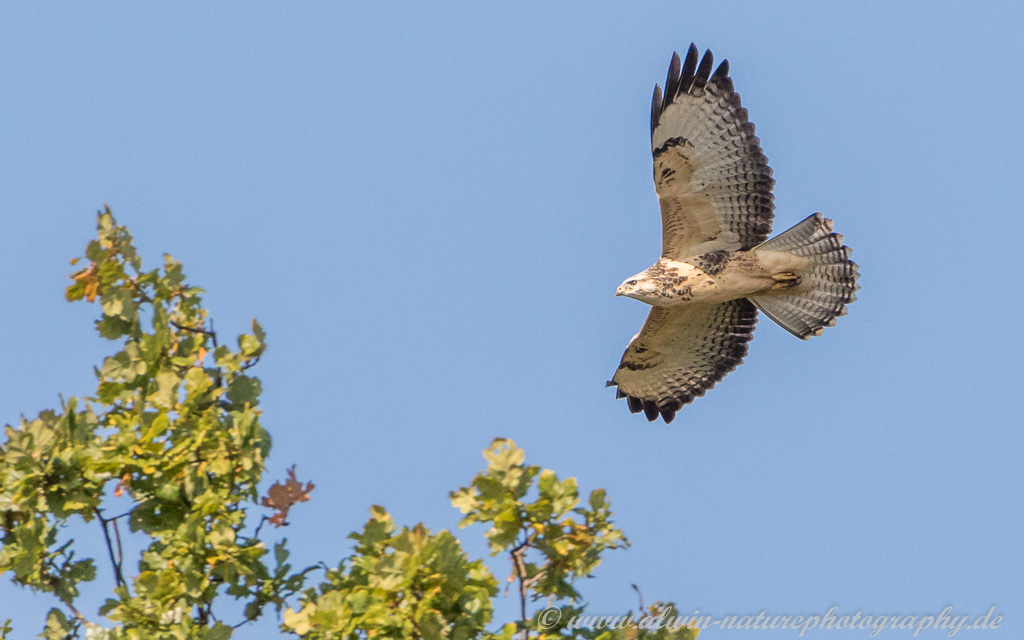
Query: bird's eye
[{"x": 632, "y": 283}]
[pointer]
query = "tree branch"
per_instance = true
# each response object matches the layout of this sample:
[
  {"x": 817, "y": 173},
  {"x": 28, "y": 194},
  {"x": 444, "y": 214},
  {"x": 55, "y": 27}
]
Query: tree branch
[
  {"x": 211, "y": 333},
  {"x": 256, "y": 534},
  {"x": 117, "y": 536},
  {"x": 519, "y": 566},
  {"x": 121, "y": 515},
  {"x": 641, "y": 596},
  {"x": 138, "y": 290},
  {"x": 53, "y": 581},
  {"x": 118, "y": 576}
]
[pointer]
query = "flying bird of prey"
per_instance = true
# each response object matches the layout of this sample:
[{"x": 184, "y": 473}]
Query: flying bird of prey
[{"x": 717, "y": 266}]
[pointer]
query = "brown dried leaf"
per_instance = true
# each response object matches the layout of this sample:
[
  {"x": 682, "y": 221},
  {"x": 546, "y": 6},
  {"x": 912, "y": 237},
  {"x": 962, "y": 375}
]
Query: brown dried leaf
[
  {"x": 121, "y": 486},
  {"x": 92, "y": 280},
  {"x": 282, "y": 497}
]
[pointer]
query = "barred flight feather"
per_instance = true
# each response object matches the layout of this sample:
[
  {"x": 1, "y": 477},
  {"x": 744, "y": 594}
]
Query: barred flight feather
[
  {"x": 719, "y": 196},
  {"x": 681, "y": 353}
]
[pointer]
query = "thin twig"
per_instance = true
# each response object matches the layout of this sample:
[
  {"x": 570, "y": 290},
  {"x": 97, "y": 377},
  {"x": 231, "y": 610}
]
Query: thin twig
[
  {"x": 117, "y": 535},
  {"x": 121, "y": 515},
  {"x": 519, "y": 565},
  {"x": 641, "y": 596},
  {"x": 242, "y": 623},
  {"x": 182, "y": 327},
  {"x": 75, "y": 612},
  {"x": 138, "y": 290},
  {"x": 256, "y": 534},
  {"x": 53, "y": 581},
  {"x": 118, "y": 578}
]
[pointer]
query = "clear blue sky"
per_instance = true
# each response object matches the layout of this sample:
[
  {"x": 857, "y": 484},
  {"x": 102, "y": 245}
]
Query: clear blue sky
[{"x": 429, "y": 207}]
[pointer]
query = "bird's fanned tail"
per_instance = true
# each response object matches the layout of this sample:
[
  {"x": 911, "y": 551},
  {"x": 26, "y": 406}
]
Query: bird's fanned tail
[{"x": 827, "y": 286}]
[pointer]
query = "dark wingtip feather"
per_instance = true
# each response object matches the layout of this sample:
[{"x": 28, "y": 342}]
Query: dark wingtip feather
[
  {"x": 656, "y": 105},
  {"x": 722, "y": 72},
  {"x": 635, "y": 405},
  {"x": 608, "y": 384},
  {"x": 672, "y": 80},
  {"x": 689, "y": 67},
  {"x": 704, "y": 70},
  {"x": 651, "y": 410},
  {"x": 668, "y": 415}
]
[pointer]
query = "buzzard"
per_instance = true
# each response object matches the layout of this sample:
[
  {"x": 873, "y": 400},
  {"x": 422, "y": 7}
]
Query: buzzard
[{"x": 717, "y": 265}]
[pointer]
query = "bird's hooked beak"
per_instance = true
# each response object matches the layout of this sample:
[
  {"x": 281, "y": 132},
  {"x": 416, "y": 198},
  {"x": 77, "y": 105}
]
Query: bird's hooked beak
[{"x": 620, "y": 291}]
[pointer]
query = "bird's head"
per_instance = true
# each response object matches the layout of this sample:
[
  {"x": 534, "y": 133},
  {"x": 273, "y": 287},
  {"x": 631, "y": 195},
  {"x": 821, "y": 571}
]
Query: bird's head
[{"x": 639, "y": 287}]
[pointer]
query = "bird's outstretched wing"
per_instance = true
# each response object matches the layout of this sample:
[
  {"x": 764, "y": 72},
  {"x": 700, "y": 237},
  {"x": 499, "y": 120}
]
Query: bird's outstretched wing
[
  {"x": 682, "y": 352},
  {"x": 713, "y": 180}
]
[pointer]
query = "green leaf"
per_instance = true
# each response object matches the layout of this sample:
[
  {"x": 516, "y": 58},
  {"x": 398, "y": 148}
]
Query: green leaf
[
  {"x": 125, "y": 366},
  {"x": 547, "y": 483},
  {"x": 281, "y": 552},
  {"x": 113, "y": 328},
  {"x": 244, "y": 389},
  {"x": 197, "y": 381},
  {"x": 57, "y": 627},
  {"x": 464, "y": 499},
  {"x": 503, "y": 455},
  {"x": 248, "y": 345},
  {"x": 119, "y": 303},
  {"x": 173, "y": 274},
  {"x": 94, "y": 251},
  {"x": 298, "y": 621},
  {"x": 166, "y": 395}
]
